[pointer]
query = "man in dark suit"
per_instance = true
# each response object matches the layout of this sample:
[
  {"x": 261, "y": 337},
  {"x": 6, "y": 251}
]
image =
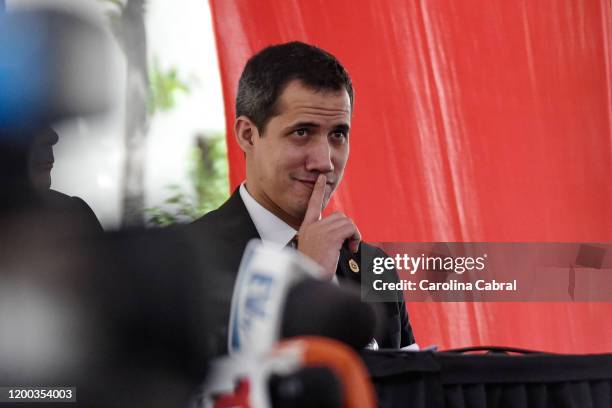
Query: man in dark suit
[
  {"x": 40, "y": 163},
  {"x": 26, "y": 162},
  {"x": 293, "y": 116}
]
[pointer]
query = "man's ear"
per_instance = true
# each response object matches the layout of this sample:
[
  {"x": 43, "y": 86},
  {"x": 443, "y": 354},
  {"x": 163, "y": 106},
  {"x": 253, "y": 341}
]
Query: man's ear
[{"x": 246, "y": 132}]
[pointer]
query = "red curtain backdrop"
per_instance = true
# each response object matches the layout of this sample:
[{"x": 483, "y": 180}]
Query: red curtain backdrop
[{"x": 474, "y": 121}]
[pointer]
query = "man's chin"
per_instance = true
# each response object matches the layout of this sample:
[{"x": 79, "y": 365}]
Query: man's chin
[
  {"x": 41, "y": 181},
  {"x": 299, "y": 214}
]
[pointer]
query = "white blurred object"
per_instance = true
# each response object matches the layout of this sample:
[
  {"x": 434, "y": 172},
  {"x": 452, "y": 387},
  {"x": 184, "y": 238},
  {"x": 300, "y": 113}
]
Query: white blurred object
[
  {"x": 38, "y": 335},
  {"x": 265, "y": 276},
  {"x": 248, "y": 374}
]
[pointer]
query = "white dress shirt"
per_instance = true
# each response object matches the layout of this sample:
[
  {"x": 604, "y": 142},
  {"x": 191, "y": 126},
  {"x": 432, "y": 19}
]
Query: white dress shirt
[{"x": 271, "y": 229}]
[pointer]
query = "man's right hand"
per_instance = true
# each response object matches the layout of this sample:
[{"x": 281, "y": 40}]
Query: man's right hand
[{"x": 321, "y": 238}]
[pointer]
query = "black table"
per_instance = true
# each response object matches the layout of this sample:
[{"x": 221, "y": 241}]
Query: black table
[{"x": 454, "y": 379}]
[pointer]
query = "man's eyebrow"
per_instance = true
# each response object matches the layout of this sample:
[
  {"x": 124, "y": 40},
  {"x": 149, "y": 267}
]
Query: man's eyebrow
[
  {"x": 303, "y": 125},
  {"x": 313, "y": 125},
  {"x": 343, "y": 127}
]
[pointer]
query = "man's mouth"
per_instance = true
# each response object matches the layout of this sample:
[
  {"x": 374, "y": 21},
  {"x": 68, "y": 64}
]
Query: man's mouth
[{"x": 312, "y": 183}]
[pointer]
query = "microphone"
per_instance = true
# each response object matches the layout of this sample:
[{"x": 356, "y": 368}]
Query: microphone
[
  {"x": 277, "y": 294},
  {"x": 358, "y": 391},
  {"x": 301, "y": 372},
  {"x": 307, "y": 387},
  {"x": 315, "y": 308}
]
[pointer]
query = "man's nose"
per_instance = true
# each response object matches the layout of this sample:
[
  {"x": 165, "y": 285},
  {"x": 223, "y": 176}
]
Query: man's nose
[
  {"x": 320, "y": 156},
  {"x": 47, "y": 136},
  {"x": 51, "y": 137}
]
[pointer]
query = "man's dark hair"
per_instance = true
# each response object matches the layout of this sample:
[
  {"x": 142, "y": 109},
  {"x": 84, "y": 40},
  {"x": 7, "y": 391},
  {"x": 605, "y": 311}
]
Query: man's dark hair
[{"x": 267, "y": 73}]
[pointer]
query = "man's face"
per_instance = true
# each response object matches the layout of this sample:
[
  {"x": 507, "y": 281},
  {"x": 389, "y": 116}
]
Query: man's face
[
  {"x": 41, "y": 158},
  {"x": 308, "y": 137}
]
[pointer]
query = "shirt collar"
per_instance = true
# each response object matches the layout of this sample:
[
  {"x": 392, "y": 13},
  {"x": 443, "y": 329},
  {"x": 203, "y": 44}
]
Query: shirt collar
[{"x": 271, "y": 229}]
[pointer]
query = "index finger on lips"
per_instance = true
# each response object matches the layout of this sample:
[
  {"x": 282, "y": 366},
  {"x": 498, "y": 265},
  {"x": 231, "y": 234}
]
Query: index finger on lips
[{"x": 315, "y": 204}]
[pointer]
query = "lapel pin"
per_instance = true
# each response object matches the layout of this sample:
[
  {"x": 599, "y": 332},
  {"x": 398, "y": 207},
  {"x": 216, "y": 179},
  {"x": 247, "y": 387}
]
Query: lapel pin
[{"x": 353, "y": 265}]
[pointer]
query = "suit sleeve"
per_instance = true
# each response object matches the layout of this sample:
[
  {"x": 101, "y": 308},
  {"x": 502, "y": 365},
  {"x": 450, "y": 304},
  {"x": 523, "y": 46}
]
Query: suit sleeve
[
  {"x": 87, "y": 216},
  {"x": 406, "y": 334},
  {"x": 406, "y": 329}
]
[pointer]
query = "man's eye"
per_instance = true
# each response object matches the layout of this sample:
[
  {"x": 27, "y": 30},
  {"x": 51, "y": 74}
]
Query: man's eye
[
  {"x": 340, "y": 135},
  {"x": 300, "y": 132}
]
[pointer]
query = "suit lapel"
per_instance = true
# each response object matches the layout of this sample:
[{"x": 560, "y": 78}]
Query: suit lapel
[
  {"x": 236, "y": 228},
  {"x": 344, "y": 270}
]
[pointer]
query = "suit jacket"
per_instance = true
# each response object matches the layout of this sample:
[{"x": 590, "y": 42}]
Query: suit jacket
[
  {"x": 73, "y": 209},
  {"x": 223, "y": 235}
]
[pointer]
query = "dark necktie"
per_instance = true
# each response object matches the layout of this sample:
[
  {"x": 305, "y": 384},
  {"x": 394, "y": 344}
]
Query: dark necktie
[{"x": 294, "y": 242}]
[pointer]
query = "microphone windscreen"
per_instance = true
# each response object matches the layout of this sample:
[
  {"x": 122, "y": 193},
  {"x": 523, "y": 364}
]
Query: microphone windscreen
[
  {"x": 315, "y": 308},
  {"x": 305, "y": 388}
]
